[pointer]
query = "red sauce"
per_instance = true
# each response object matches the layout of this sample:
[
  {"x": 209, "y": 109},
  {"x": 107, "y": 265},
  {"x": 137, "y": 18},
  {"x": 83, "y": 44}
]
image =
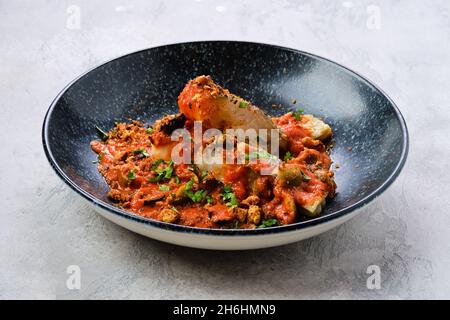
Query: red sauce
[
  {"x": 237, "y": 176},
  {"x": 293, "y": 129},
  {"x": 144, "y": 184}
]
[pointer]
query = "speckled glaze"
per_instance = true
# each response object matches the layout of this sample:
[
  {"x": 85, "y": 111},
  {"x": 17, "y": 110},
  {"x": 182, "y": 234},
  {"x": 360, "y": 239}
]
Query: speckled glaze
[{"x": 370, "y": 135}]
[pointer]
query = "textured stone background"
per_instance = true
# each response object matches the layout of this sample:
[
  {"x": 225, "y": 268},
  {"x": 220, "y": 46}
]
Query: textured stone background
[{"x": 44, "y": 226}]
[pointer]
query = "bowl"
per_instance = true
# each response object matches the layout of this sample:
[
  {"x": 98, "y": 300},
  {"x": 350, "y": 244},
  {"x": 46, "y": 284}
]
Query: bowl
[{"x": 370, "y": 134}]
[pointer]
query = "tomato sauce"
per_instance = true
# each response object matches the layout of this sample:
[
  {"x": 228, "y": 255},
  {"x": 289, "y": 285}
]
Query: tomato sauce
[{"x": 143, "y": 182}]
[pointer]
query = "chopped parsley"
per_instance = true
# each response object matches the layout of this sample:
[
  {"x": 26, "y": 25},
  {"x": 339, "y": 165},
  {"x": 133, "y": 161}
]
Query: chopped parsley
[
  {"x": 101, "y": 133},
  {"x": 156, "y": 164},
  {"x": 209, "y": 199},
  {"x": 297, "y": 114},
  {"x": 131, "y": 175},
  {"x": 229, "y": 197},
  {"x": 173, "y": 209},
  {"x": 149, "y": 130},
  {"x": 288, "y": 156},
  {"x": 163, "y": 187},
  {"x": 162, "y": 173},
  {"x": 268, "y": 223},
  {"x": 141, "y": 151},
  {"x": 196, "y": 196},
  {"x": 243, "y": 104},
  {"x": 189, "y": 185}
]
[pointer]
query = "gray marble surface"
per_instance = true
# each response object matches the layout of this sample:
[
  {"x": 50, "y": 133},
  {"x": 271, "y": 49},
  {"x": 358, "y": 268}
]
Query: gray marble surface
[{"x": 402, "y": 46}]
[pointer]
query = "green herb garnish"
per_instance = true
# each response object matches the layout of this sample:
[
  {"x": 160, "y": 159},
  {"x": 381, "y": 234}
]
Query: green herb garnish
[
  {"x": 243, "y": 104},
  {"x": 101, "y": 133},
  {"x": 131, "y": 175},
  {"x": 173, "y": 208},
  {"x": 156, "y": 164},
  {"x": 163, "y": 187},
  {"x": 196, "y": 196},
  {"x": 149, "y": 130},
  {"x": 229, "y": 197},
  {"x": 162, "y": 173},
  {"x": 189, "y": 185},
  {"x": 268, "y": 223},
  {"x": 168, "y": 170},
  {"x": 288, "y": 156},
  {"x": 297, "y": 114},
  {"x": 209, "y": 199},
  {"x": 141, "y": 151}
]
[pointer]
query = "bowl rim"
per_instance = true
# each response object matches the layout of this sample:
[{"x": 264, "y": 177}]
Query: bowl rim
[{"x": 226, "y": 232}]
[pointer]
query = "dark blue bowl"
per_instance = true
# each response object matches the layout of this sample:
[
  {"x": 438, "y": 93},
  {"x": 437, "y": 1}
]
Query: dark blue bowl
[{"x": 370, "y": 134}]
